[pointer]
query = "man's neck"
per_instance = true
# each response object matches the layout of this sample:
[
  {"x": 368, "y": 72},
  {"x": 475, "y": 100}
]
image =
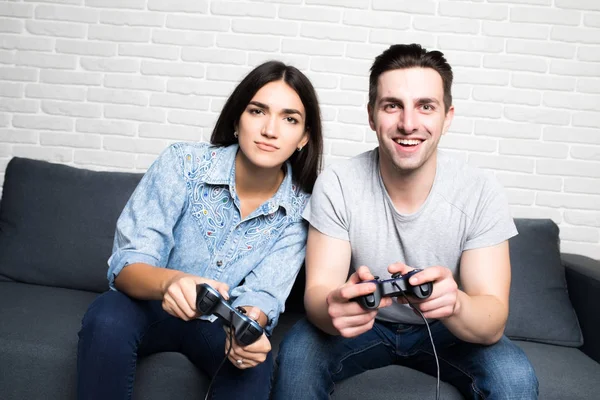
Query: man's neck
[{"x": 408, "y": 190}]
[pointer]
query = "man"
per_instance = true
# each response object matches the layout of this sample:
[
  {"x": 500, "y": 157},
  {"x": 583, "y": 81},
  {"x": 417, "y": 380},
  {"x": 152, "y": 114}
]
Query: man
[{"x": 402, "y": 206}]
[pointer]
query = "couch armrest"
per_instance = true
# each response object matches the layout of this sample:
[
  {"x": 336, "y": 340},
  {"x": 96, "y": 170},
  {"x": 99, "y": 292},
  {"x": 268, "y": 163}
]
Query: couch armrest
[{"x": 583, "y": 281}]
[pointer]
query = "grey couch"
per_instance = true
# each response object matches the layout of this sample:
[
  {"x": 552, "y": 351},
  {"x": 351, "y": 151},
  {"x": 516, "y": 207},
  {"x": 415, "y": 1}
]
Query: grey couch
[{"x": 56, "y": 230}]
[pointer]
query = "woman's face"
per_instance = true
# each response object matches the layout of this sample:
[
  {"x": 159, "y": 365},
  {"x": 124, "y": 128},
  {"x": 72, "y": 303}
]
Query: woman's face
[{"x": 272, "y": 126}]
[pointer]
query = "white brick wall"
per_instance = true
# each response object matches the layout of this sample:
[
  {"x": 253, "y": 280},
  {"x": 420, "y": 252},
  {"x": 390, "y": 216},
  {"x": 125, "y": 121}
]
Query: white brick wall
[{"x": 107, "y": 84}]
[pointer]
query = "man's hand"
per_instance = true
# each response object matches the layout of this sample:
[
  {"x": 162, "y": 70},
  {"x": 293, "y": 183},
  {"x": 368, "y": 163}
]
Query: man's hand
[
  {"x": 443, "y": 301},
  {"x": 179, "y": 297},
  {"x": 347, "y": 316},
  {"x": 250, "y": 355}
]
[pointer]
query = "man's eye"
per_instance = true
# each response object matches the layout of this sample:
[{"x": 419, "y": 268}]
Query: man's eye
[
  {"x": 427, "y": 107},
  {"x": 390, "y": 106}
]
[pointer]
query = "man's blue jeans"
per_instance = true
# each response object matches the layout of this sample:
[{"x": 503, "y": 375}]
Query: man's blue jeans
[
  {"x": 310, "y": 362},
  {"x": 117, "y": 329}
]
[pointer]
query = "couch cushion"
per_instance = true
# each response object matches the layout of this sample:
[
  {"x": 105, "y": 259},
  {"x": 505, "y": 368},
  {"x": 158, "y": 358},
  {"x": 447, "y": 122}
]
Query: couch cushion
[
  {"x": 540, "y": 308},
  {"x": 57, "y": 223}
]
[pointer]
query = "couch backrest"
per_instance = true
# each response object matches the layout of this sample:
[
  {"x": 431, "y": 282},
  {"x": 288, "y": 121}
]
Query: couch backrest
[{"x": 57, "y": 223}]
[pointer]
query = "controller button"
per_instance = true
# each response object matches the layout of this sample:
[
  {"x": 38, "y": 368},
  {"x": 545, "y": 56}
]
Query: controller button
[
  {"x": 219, "y": 263},
  {"x": 370, "y": 300}
]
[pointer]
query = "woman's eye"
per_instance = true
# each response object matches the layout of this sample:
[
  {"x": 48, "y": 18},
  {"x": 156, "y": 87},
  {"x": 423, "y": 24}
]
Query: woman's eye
[
  {"x": 291, "y": 120},
  {"x": 255, "y": 111}
]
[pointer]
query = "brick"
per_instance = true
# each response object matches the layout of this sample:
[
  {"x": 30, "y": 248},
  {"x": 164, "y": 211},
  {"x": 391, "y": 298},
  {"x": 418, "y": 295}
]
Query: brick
[
  {"x": 323, "y": 81},
  {"x": 245, "y": 42},
  {"x": 578, "y": 4},
  {"x": 149, "y": 51},
  {"x": 134, "y": 145},
  {"x": 537, "y": 212},
  {"x": 104, "y": 158},
  {"x": 278, "y": 28},
  {"x": 516, "y": 30},
  {"x": 349, "y": 67},
  {"x": 135, "y": 113},
  {"x": 532, "y": 148},
  {"x": 235, "y": 57},
  {"x": 586, "y": 120},
  {"x": 568, "y": 168},
  {"x": 572, "y": 101},
  {"x": 542, "y": 82},
  {"x": 503, "y": 129},
  {"x": 166, "y": 36},
  {"x": 18, "y": 136},
  {"x": 52, "y": 154},
  {"x": 202, "y": 23},
  {"x": 471, "y": 43},
  {"x": 44, "y": 60},
  {"x": 132, "y": 18},
  {"x": 334, "y": 32},
  {"x": 503, "y": 163},
  {"x": 588, "y": 85},
  {"x": 574, "y": 68},
  {"x": 591, "y": 153},
  {"x": 520, "y": 197},
  {"x": 576, "y": 35},
  {"x": 583, "y": 218},
  {"x": 569, "y": 201},
  {"x": 4, "y": 119},
  {"x": 540, "y": 48},
  {"x": 10, "y": 25},
  {"x": 19, "y": 105},
  {"x": 536, "y": 115},
  {"x": 484, "y": 110},
  {"x": 16, "y": 10},
  {"x": 43, "y": 122},
  {"x": 505, "y": 95},
  {"x": 64, "y": 13},
  {"x": 71, "y": 2},
  {"x": 61, "y": 29},
  {"x": 588, "y": 53},
  {"x": 528, "y": 180},
  {"x": 166, "y": 68},
  {"x": 548, "y": 15},
  {"x": 18, "y": 74},
  {"x": 86, "y": 48},
  {"x": 520, "y": 2},
  {"x": 192, "y": 118},
  {"x": 352, "y": 115},
  {"x": 445, "y": 25},
  {"x": 21, "y": 42},
  {"x": 582, "y": 185},
  {"x": 132, "y": 97},
  {"x": 178, "y": 101},
  {"x": 55, "y": 92},
  {"x": 185, "y": 6},
  {"x": 122, "y": 81},
  {"x": 226, "y": 73},
  {"x": 7, "y": 57},
  {"x": 70, "y": 140},
  {"x": 579, "y": 234},
  {"x": 299, "y": 61},
  {"x": 463, "y": 59},
  {"x": 105, "y": 127},
  {"x": 71, "y": 109},
  {"x": 357, "y": 50},
  {"x": 480, "y": 77},
  {"x": 470, "y": 143},
  {"x": 70, "y": 77},
  {"x": 172, "y": 132},
  {"x": 119, "y": 33},
  {"x": 312, "y": 14},
  {"x": 405, "y": 6},
  {"x": 109, "y": 64},
  {"x": 377, "y": 19},
  {"x": 571, "y": 135},
  {"x": 337, "y": 98},
  {"x": 200, "y": 88},
  {"x": 592, "y": 20},
  {"x": 130, "y": 4},
  {"x": 312, "y": 47},
  {"x": 362, "y": 4},
  {"x": 238, "y": 9},
  {"x": 389, "y": 36},
  {"x": 329, "y": 114},
  {"x": 474, "y": 11},
  {"x": 360, "y": 83},
  {"x": 461, "y": 125},
  {"x": 344, "y": 132}
]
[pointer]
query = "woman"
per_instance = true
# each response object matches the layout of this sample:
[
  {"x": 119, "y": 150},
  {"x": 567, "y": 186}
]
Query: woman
[{"x": 227, "y": 214}]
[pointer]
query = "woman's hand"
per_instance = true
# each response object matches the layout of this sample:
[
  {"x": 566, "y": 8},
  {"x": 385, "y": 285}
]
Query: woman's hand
[
  {"x": 248, "y": 356},
  {"x": 179, "y": 296}
]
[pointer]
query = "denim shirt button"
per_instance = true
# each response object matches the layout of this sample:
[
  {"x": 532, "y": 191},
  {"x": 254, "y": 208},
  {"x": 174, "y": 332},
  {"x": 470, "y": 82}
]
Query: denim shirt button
[{"x": 219, "y": 263}]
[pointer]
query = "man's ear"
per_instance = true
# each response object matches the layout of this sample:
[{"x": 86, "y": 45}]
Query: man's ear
[
  {"x": 448, "y": 120},
  {"x": 371, "y": 120}
]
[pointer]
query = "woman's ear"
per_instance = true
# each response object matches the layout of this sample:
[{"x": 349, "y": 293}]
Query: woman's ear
[{"x": 305, "y": 139}]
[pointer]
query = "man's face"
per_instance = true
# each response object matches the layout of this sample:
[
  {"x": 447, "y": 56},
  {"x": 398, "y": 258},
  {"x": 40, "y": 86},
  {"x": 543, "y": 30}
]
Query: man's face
[{"x": 409, "y": 117}]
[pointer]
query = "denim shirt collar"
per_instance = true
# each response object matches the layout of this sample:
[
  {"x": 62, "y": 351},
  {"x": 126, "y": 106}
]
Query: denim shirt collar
[{"x": 222, "y": 172}]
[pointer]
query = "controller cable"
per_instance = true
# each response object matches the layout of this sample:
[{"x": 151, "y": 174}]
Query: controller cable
[
  {"x": 437, "y": 362},
  {"x": 230, "y": 337}
]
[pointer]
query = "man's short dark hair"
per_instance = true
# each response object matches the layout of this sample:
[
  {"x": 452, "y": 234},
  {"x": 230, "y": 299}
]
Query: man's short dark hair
[{"x": 402, "y": 56}]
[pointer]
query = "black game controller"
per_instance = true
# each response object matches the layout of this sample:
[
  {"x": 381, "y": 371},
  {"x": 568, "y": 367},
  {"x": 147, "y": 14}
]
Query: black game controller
[
  {"x": 393, "y": 288},
  {"x": 209, "y": 301}
]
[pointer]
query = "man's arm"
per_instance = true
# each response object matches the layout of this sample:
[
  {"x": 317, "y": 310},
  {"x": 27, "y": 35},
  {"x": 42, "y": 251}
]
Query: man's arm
[{"x": 327, "y": 294}]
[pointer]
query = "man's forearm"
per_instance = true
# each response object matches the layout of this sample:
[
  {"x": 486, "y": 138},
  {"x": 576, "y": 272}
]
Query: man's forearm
[
  {"x": 315, "y": 303},
  {"x": 478, "y": 319}
]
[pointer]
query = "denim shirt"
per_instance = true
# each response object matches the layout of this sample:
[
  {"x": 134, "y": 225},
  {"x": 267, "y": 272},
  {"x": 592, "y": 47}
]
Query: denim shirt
[{"x": 185, "y": 215}]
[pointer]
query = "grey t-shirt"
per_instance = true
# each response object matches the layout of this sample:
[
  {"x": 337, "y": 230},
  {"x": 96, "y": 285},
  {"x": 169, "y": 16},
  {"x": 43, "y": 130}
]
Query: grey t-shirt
[{"x": 465, "y": 209}]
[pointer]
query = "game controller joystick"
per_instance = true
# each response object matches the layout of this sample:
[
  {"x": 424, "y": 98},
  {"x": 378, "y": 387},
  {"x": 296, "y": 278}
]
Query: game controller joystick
[
  {"x": 393, "y": 288},
  {"x": 209, "y": 301}
]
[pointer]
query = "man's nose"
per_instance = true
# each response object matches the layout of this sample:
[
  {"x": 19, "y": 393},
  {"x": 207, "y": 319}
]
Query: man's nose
[{"x": 408, "y": 121}]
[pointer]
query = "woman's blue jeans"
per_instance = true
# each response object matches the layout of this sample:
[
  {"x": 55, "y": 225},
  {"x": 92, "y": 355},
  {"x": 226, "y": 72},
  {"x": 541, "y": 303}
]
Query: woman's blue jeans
[
  {"x": 117, "y": 329},
  {"x": 310, "y": 362}
]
